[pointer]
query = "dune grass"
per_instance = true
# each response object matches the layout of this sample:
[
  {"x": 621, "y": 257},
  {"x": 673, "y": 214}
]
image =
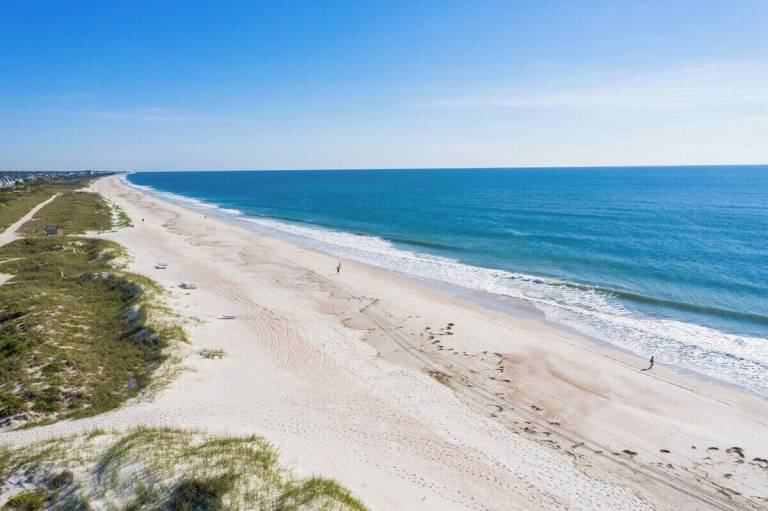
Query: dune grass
[
  {"x": 212, "y": 354},
  {"x": 120, "y": 218},
  {"x": 17, "y": 201},
  {"x": 78, "y": 336},
  {"x": 163, "y": 468},
  {"x": 14, "y": 204},
  {"x": 27, "y": 501},
  {"x": 76, "y": 212}
]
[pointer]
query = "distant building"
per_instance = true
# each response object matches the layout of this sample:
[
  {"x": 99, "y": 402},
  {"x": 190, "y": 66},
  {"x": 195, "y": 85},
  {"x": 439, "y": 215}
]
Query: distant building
[{"x": 8, "y": 179}]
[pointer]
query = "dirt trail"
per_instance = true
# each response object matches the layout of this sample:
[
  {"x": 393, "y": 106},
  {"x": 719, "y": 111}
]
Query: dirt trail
[{"x": 10, "y": 233}]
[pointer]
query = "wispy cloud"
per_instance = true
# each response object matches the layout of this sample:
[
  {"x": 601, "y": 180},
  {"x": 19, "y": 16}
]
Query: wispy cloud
[
  {"x": 637, "y": 98},
  {"x": 163, "y": 115},
  {"x": 681, "y": 91}
]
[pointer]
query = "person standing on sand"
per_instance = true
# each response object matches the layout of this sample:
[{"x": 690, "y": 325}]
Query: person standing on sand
[
  {"x": 338, "y": 268},
  {"x": 650, "y": 366}
]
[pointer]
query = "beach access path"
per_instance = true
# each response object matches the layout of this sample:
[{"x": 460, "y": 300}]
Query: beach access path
[
  {"x": 418, "y": 400},
  {"x": 10, "y": 233}
]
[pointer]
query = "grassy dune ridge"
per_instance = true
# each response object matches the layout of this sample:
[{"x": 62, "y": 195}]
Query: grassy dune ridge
[
  {"x": 70, "y": 316},
  {"x": 164, "y": 468},
  {"x": 79, "y": 335},
  {"x": 76, "y": 212},
  {"x": 17, "y": 201}
]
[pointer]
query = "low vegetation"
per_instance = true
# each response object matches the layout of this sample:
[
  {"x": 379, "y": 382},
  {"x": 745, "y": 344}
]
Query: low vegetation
[
  {"x": 74, "y": 212},
  {"x": 27, "y": 501},
  {"x": 17, "y": 201},
  {"x": 212, "y": 354},
  {"x": 78, "y": 335},
  {"x": 120, "y": 218},
  {"x": 165, "y": 469}
]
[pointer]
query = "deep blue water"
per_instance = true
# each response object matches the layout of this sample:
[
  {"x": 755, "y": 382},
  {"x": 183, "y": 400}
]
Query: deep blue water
[{"x": 671, "y": 261}]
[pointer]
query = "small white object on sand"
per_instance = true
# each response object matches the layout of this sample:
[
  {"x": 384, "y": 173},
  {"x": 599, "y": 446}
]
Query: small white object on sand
[{"x": 392, "y": 432}]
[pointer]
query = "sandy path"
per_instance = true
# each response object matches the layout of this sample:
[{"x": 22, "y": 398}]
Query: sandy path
[
  {"x": 9, "y": 234},
  {"x": 368, "y": 414}
]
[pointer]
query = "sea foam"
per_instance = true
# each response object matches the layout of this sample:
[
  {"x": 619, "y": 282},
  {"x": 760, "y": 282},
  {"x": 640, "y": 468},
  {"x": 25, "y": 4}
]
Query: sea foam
[{"x": 735, "y": 359}]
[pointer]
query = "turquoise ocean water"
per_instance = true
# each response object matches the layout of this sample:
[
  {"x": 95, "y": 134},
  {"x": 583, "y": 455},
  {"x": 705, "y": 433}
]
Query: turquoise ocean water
[{"x": 669, "y": 261}]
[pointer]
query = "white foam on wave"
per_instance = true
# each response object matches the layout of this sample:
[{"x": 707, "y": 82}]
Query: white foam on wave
[
  {"x": 736, "y": 359},
  {"x": 183, "y": 199}
]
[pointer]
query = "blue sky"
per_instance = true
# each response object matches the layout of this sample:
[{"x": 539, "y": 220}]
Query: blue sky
[{"x": 249, "y": 85}]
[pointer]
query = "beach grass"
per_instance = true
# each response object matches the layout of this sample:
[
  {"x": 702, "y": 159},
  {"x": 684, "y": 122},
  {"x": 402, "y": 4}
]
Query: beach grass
[
  {"x": 166, "y": 468},
  {"x": 26, "y": 501},
  {"x": 78, "y": 336},
  {"x": 18, "y": 200},
  {"x": 212, "y": 354},
  {"x": 122, "y": 219},
  {"x": 75, "y": 212},
  {"x": 14, "y": 203}
]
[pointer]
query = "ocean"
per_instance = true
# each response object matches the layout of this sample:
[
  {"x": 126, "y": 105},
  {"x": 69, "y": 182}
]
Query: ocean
[{"x": 663, "y": 261}]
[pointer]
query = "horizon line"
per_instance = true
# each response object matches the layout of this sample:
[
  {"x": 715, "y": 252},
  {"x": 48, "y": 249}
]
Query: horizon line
[
  {"x": 302, "y": 169},
  {"x": 521, "y": 167}
]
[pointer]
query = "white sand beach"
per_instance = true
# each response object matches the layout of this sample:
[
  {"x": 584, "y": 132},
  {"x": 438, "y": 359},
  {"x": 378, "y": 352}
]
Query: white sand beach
[{"x": 418, "y": 400}]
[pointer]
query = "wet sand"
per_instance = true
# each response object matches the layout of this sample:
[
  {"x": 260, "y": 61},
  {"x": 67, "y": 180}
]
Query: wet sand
[{"x": 417, "y": 399}]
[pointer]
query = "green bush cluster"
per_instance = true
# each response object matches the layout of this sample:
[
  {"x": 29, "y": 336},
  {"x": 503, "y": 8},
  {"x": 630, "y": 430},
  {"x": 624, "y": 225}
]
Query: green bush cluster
[
  {"x": 197, "y": 494},
  {"x": 27, "y": 501}
]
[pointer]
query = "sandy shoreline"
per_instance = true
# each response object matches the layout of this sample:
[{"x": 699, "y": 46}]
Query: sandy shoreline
[{"x": 416, "y": 399}]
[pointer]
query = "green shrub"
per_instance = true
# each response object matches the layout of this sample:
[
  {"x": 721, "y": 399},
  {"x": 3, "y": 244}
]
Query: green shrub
[
  {"x": 27, "y": 501},
  {"x": 201, "y": 494},
  {"x": 61, "y": 480},
  {"x": 41, "y": 405},
  {"x": 11, "y": 405}
]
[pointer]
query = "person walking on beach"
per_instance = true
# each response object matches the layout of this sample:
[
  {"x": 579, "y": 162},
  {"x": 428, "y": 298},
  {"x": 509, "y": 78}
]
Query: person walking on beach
[
  {"x": 650, "y": 366},
  {"x": 338, "y": 268}
]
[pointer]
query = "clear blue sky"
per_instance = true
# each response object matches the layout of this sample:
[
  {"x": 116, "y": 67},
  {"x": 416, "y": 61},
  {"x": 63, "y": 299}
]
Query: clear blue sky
[{"x": 249, "y": 85}]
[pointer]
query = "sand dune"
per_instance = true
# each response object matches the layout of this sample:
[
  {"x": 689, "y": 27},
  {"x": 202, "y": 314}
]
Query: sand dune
[{"x": 415, "y": 399}]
